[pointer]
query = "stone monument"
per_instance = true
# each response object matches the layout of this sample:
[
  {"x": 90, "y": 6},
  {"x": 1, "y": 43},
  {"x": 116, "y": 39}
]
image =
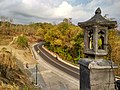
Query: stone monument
[{"x": 96, "y": 73}]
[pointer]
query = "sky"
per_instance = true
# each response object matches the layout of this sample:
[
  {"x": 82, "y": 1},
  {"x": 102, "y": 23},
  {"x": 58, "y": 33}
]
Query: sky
[{"x": 54, "y": 11}]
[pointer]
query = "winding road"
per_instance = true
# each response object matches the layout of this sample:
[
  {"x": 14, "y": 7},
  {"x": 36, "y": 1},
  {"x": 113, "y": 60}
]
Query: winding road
[{"x": 72, "y": 71}]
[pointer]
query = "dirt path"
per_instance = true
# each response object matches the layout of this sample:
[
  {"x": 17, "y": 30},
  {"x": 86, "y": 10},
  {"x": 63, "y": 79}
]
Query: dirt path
[{"x": 24, "y": 56}]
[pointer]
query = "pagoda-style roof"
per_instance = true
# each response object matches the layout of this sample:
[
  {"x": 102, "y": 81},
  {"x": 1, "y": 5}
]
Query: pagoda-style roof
[{"x": 98, "y": 19}]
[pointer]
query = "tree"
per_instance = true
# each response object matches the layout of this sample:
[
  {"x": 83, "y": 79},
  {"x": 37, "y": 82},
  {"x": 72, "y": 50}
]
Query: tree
[
  {"x": 114, "y": 42},
  {"x": 63, "y": 40}
]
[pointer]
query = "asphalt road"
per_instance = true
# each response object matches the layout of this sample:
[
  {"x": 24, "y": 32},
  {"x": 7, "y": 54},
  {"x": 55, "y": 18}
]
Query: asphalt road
[{"x": 74, "y": 72}]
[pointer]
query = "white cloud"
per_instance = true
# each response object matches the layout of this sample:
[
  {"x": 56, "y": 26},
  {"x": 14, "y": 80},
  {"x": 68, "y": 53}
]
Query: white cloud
[
  {"x": 28, "y": 10},
  {"x": 110, "y": 7},
  {"x": 30, "y": 3},
  {"x": 63, "y": 10}
]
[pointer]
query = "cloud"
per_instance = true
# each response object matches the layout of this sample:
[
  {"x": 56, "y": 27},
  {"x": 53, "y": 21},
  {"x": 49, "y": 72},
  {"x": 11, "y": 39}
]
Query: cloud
[
  {"x": 86, "y": 11},
  {"x": 63, "y": 10},
  {"x": 25, "y": 11}
]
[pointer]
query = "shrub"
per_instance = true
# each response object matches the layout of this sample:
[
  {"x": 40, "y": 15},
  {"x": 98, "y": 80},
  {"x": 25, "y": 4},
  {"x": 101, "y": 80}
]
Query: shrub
[{"x": 22, "y": 41}]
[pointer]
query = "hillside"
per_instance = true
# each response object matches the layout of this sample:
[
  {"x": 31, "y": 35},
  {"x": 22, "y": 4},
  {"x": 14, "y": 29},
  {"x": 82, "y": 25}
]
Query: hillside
[
  {"x": 64, "y": 39},
  {"x": 13, "y": 73}
]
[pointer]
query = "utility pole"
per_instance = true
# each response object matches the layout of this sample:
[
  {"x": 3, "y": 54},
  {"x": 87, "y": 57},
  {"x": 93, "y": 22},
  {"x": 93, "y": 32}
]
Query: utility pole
[{"x": 36, "y": 74}]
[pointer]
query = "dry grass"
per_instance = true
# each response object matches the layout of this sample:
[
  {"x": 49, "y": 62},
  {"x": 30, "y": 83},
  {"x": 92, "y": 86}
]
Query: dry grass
[
  {"x": 8, "y": 86},
  {"x": 5, "y": 40},
  {"x": 13, "y": 73}
]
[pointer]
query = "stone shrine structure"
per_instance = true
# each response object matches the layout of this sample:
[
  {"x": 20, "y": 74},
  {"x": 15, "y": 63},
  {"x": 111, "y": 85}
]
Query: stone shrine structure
[{"x": 96, "y": 73}]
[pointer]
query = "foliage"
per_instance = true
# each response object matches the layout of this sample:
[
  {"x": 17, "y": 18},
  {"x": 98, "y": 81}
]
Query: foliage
[
  {"x": 66, "y": 40},
  {"x": 40, "y": 32},
  {"x": 22, "y": 41},
  {"x": 114, "y": 41}
]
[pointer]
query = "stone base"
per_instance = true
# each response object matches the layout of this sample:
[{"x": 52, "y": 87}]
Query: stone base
[{"x": 96, "y": 75}]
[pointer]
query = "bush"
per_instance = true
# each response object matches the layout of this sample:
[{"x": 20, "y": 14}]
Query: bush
[{"x": 22, "y": 41}]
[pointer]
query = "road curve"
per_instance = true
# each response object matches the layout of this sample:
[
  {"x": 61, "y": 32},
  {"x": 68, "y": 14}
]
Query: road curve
[{"x": 74, "y": 72}]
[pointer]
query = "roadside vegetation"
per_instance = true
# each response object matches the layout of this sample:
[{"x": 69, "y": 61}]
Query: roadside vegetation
[
  {"x": 22, "y": 41},
  {"x": 65, "y": 39},
  {"x": 11, "y": 75},
  {"x": 114, "y": 41}
]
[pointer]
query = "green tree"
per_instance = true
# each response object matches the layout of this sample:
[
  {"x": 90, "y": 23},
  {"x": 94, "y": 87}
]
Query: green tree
[
  {"x": 114, "y": 42},
  {"x": 40, "y": 32},
  {"x": 65, "y": 39},
  {"x": 22, "y": 41}
]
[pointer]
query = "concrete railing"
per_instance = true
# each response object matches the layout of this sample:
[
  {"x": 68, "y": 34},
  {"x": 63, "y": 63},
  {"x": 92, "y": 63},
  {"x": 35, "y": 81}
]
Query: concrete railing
[{"x": 56, "y": 56}]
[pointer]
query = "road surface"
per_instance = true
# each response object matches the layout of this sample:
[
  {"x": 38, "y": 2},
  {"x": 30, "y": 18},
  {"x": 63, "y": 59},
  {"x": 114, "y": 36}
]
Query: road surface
[
  {"x": 52, "y": 78},
  {"x": 72, "y": 71}
]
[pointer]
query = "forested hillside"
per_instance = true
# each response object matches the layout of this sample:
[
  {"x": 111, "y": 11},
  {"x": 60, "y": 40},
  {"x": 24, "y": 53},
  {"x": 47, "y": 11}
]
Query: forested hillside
[{"x": 65, "y": 39}]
